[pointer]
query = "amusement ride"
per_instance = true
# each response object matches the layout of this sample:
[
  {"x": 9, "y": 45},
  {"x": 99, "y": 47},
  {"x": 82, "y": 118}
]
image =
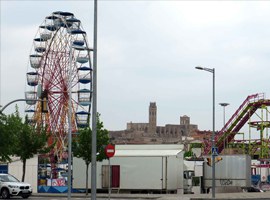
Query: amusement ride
[
  {"x": 59, "y": 69},
  {"x": 254, "y": 106}
]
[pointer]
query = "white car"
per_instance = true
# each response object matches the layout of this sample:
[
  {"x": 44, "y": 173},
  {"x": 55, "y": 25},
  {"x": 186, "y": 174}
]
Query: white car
[{"x": 10, "y": 186}]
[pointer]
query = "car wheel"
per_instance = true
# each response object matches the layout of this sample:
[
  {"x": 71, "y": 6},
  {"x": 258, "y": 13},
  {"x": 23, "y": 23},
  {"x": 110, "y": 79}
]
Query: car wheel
[
  {"x": 5, "y": 193},
  {"x": 25, "y": 196}
]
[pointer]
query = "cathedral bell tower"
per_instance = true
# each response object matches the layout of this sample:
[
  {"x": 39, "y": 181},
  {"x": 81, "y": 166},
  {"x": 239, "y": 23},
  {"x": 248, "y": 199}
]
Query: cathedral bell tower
[{"x": 152, "y": 118}]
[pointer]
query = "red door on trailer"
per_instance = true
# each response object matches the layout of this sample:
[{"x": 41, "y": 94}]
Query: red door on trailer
[{"x": 115, "y": 169}]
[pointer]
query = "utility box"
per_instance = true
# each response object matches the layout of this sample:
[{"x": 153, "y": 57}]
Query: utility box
[{"x": 230, "y": 171}]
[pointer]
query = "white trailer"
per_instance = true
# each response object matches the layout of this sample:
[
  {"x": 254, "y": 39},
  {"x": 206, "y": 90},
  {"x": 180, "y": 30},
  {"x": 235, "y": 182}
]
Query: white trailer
[{"x": 137, "y": 168}]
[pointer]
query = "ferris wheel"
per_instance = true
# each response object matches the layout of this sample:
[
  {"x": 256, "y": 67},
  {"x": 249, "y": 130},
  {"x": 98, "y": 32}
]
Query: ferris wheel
[{"x": 59, "y": 69}]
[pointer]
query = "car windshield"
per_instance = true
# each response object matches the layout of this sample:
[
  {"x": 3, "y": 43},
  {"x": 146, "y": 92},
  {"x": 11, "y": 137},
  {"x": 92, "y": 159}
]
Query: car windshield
[{"x": 8, "y": 178}]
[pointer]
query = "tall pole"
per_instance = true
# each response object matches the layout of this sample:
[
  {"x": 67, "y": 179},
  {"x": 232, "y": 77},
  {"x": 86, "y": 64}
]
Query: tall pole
[
  {"x": 213, "y": 145},
  {"x": 109, "y": 186},
  {"x": 0, "y": 64},
  {"x": 225, "y": 139},
  {"x": 69, "y": 123},
  {"x": 94, "y": 111},
  {"x": 213, "y": 142}
]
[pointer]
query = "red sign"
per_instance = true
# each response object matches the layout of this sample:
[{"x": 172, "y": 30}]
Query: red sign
[{"x": 109, "y": 150}]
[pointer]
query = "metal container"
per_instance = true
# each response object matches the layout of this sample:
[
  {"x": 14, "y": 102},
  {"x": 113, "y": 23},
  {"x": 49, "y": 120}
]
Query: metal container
[{"x": 231, "y": 171}]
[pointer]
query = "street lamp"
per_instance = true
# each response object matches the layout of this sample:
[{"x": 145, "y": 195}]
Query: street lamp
[
  {"x": 94, "y": 111},
  {"x": 213, "y": 133},
  {"x": 69, "y": 123},
  {"x": 224, "y": 105}
]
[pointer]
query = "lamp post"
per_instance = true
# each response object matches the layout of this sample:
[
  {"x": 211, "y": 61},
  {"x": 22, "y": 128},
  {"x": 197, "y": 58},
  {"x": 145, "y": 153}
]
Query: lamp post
[
  {"x": 224, "y": 105},
  {"x": 16, "y": 100},
  {"x": 213, "y": 133},
  {"x": 94, "y": 111},
  {"x": 69, "y": 123}
]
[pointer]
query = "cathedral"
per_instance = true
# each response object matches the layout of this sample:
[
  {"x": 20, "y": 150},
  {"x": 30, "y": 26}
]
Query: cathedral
[{"x": 151, "y": 133}]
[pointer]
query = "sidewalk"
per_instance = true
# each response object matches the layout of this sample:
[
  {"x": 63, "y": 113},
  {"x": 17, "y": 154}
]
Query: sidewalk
[
  {"x": 102, "y": 195},
  {"x": 219, "y": 196}
]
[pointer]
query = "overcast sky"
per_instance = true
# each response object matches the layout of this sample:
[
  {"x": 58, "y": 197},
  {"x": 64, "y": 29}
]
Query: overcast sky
[{"x": 147, "y": 52}]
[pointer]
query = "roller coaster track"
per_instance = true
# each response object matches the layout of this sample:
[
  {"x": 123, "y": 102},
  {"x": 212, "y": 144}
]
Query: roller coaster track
[{"x": 237, "y": 121}]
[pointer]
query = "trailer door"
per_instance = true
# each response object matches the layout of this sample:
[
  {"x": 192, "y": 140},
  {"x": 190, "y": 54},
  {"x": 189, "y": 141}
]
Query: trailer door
[
  {"x": 115, "y": 176},
  {"x": 164, "y": 173},
  {"x": 115, "y": 169},
  {"x": 105, "y": 176}
]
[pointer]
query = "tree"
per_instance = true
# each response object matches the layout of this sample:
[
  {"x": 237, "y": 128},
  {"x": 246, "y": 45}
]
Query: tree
[
  {"x": 188, "y": 154},
  {"x": 82, "y": 146},
  {"x": 6, "y": 140},
  {"x": 27, "y": 140}
]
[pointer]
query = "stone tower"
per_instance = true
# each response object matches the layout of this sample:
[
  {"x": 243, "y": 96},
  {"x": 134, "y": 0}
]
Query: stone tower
[
  {"x": 184, "y": 120},
  {"x": 152, "y": 118}
]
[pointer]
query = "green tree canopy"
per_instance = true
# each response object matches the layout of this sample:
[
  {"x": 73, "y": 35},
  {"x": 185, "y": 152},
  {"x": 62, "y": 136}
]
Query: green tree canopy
[
  {"x": 27, "y": 141},
  {"x": 6, "y": 139},
  {"x": 82, "y": 145}
]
